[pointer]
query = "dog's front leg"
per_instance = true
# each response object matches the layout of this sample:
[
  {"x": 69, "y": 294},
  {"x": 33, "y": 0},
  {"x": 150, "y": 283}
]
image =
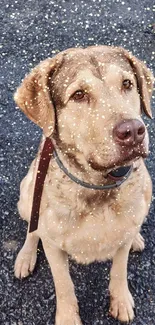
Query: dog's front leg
[
  {"x": 26, "y": 259},
  {"x": 67, "y": 306},
  {"x": 121, "y": 304}
]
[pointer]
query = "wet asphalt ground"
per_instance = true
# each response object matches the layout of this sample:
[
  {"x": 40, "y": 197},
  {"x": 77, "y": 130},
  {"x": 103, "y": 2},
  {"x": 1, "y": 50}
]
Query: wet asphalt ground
[{"x": 32, "y": 31}]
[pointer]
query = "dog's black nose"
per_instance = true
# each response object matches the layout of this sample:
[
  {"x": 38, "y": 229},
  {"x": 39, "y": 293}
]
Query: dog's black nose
[{"x": 129, "y": 132}]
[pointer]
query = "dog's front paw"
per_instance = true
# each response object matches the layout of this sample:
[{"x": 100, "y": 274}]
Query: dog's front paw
[
  {"x": 121, "y": 305},
  {"x": 25, "y": 263},
  {"x": 67, "y": 316}
]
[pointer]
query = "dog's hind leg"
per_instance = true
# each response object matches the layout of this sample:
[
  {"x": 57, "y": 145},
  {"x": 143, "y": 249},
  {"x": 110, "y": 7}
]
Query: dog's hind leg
[
  {"x": 26, "y": 259},
  {"x": 138, "y": 243}
]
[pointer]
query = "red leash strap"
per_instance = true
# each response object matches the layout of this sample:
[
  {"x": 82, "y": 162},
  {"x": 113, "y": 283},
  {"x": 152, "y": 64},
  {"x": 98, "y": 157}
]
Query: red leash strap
[{"x": 39, "y": 184}]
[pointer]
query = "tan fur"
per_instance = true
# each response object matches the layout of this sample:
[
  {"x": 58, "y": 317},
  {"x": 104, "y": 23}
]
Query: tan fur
[{"x": 87, "y": 224}]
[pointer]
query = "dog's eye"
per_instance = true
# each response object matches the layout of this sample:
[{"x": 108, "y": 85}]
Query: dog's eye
[
  {"x": 80, "y": 95},
  {"x": 127, "y": 84}
]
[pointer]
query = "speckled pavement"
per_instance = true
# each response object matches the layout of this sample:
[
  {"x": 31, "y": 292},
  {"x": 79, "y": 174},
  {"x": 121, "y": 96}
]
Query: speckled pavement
[{"x": 32, "y": 31}]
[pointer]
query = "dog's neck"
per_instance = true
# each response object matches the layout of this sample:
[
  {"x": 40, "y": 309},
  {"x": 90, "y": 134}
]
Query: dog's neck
[
  {"x": 85, "y": 172},
  {"x": 87, "y": 195},
  {"x": 76, "y": 164}
]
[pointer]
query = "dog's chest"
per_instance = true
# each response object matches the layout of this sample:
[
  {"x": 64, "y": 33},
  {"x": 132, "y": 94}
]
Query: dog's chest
[
  {"x": 97, "y": 237},
  {"x": 87, "y": 233}
]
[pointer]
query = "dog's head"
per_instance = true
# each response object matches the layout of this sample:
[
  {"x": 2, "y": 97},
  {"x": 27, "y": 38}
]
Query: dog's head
[{"x": 91, "y": 100}]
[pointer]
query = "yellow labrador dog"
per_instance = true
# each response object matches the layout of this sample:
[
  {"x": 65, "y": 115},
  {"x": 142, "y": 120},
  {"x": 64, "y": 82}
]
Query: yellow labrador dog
[{"x": 97, "y": 190}]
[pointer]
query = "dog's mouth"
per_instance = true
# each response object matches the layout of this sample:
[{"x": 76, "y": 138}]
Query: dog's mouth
[{"x": 118, "y": 170}]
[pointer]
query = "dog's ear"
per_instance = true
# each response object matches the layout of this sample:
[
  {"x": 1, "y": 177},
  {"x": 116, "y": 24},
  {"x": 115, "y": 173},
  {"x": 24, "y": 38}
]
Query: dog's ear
[
  {"x": 33, "y": 96},
  {"x": 145, "y": 80}
]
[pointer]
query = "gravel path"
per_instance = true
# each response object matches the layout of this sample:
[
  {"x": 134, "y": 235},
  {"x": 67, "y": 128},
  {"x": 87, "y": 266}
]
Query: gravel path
[{"x": 32, "y": 31}]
